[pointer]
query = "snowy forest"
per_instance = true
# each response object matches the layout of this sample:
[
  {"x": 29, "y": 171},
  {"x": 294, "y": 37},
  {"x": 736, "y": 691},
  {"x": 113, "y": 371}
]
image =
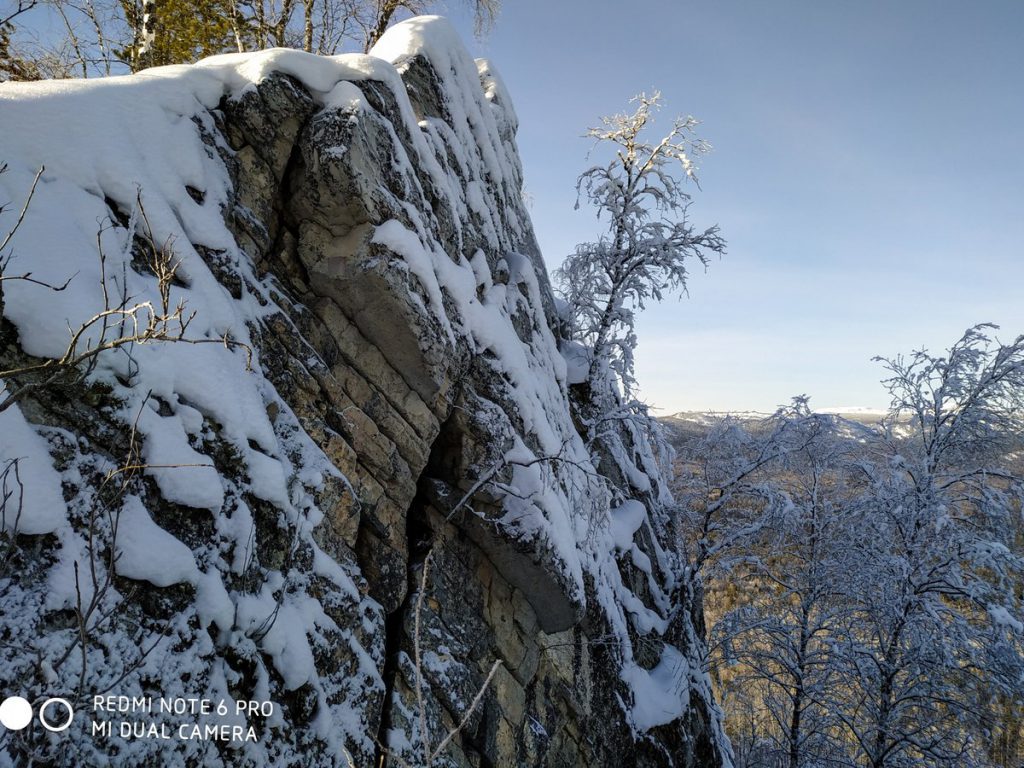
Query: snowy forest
[
  {"x": 863, "y": 579},
  {"x": 296, "y": 427}
]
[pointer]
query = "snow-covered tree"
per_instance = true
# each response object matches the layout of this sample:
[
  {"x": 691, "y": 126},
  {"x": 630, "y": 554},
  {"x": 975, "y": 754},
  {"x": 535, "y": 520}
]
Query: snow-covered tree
[
  {"x": 789, "y": 605},
  {"x": 728, "y": 483},
  {"x": 765, "y": 523},
  {"x": 645, "y": 253},
  {"x": 866, "y": 582},
  {"x": 938, "y": 624}
]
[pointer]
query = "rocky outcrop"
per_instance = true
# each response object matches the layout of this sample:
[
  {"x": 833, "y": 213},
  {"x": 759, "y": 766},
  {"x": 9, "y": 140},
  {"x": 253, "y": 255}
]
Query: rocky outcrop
[{"x": 359, "y": 227}]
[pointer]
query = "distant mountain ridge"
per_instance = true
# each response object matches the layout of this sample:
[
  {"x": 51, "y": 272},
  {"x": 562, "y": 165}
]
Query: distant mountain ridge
[{"x": 861, "y": 414}]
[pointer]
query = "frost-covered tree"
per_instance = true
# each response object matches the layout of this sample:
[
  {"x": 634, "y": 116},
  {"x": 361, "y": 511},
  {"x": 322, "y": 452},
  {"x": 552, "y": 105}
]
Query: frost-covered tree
[
  {"x": 788, "y": 602},
  {"x": 641, "y": 193},
  {"x": 765, "y": 522},
  {"x": 867, "y": 582},
  {"x": 938, "y": 623},
  {"x": 728, "y": 486}
]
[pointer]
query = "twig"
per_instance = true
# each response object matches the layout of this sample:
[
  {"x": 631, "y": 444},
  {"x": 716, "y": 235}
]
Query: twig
[
  {"x": 469, "y": 712},
  {"x": 24, "y": 209},
  {"x": 424, "y": 736},
  {"x": 142, "y": 323}
]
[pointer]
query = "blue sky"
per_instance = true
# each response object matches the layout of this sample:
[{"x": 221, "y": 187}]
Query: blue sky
[{"x": 867, "y": 172}]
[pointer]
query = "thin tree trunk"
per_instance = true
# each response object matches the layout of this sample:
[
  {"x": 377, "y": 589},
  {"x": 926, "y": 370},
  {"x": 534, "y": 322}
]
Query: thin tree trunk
[
  {"x": 307, "y": 37},
  {"x": 261, "y": 26},
  {"x": 281, "y": 25},
  {"x": 148, "y": 33},
  {"x": 236, "y": 26},
  {"x": 384, "y": 16},
  {"x": 101, "y": 40},
  {"x": 795, "y": 724}
]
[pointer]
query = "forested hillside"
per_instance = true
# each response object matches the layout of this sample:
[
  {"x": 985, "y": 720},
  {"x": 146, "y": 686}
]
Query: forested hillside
[{"x": 863, "y": 578}]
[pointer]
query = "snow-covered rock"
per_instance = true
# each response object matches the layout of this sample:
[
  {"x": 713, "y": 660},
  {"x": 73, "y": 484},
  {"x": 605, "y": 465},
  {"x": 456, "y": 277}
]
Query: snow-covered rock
[{"x": 258, "y": 512}]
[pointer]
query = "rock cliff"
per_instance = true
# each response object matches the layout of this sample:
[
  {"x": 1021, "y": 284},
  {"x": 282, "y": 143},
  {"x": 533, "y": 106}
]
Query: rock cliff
[{"x": 369, "y": 377}]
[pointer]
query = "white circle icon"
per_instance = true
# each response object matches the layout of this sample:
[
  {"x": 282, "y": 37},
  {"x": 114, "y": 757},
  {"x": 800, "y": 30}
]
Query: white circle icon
[
  {"x": 15, "y": 713},
  {"x": 47, "y": 719}
]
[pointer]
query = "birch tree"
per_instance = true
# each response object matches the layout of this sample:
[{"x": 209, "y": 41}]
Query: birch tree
[
  {"x": 649, "y": 244},
  {"x": 875, "y": 616},
  {"x": 938, "y": 622},
  {"x": 790, "y": 603}
]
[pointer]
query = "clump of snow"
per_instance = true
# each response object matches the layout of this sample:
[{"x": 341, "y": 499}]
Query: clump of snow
[
  {"x": 662, "y": 694},
  {"x": 183, "y": 475},
  {"x": 267, "y": 479},
  {"x": 625, "y": 521},
  {"x": 30, "y": 494},
  {"x": 1002, "y": 617},
  {"x": 213, "y": 603},
  {"x": 280, "y": 627},
  {"x": 497, "y": 94},
  {"x": 146, "y": 552},
  {"x": 577, "y": 362}
]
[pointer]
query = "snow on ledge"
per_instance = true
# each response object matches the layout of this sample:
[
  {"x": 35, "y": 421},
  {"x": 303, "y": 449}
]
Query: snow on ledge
[
  {"x": 660, "y": 695},
  {"x": 146, "y": 552}
]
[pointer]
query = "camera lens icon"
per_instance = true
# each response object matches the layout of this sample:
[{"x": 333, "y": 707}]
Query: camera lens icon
[{"x": 55, "y": 715}]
